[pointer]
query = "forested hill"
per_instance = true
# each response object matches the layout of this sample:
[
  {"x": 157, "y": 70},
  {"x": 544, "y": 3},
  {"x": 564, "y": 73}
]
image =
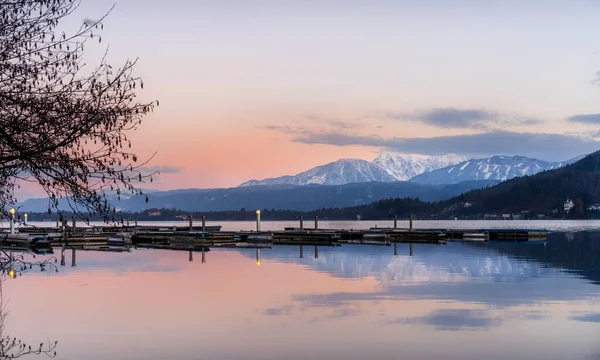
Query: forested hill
[
  {"x": 544, "y": 193},
  {"x": 541, "y": 193}
]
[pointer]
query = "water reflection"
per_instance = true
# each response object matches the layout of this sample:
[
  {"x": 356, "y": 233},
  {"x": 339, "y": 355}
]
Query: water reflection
[
  {"x": 12, "y": 266},
  {"x": 473, "y": 301}
]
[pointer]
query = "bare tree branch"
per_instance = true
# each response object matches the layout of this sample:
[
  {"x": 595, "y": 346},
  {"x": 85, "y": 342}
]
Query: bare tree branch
[{"x": 60, "y": 125}]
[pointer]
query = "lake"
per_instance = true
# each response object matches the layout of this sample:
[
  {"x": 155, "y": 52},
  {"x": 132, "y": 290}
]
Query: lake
[{"x": 454, "y": 301}]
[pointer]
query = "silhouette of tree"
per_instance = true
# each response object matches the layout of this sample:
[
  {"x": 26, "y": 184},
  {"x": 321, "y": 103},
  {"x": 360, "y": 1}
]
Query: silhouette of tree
[{"x": 62, "y": 124}]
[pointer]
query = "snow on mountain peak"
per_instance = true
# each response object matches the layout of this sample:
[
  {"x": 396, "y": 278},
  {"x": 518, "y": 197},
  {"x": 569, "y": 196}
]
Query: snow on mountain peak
[
  {"x": 499, "y": 167},
  {"x": 405, "y": 167},
  {"x": 341, "y": 172}
]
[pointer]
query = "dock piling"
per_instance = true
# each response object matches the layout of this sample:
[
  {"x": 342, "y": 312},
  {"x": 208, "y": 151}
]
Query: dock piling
[
  {"x": 73, "y": 257},
  {"x": 316, "y": 252},
  {"x": 395, "y": 221},
  {"x": 57, "y": 225},
  {"x": 316, "y": 223},
  {"x": 395, "y": 249},
  {"x": 63, "y": 262},
  {"x": 73, "y": 223},
  {"x": 411, "y": 249},
  {"x": 410, "y": 223},
  {"x": 301, "y": 252},
  {"x": 301, "y": 222},
  {"x": 203, "y": 257},
  {"x": 203, "y": 223},
  {"x": 191, "y": 256},
  {"x": 191, "y": 220}
]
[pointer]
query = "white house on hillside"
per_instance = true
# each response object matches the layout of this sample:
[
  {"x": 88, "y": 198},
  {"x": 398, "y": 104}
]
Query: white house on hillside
[{"x": 568, "y": 205}]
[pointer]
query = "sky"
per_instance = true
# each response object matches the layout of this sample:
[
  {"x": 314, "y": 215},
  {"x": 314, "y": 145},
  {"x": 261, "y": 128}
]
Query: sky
[{"x": 261, "y": 88}]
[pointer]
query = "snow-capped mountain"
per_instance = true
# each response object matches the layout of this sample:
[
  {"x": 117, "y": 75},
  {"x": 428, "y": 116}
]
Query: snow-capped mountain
[
  {"x": 494, "y": 168},
  {"x": 406, "y": 167},
  {"x": 339, "y": 172}
]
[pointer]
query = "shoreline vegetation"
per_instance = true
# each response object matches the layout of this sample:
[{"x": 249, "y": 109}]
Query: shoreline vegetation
[{"x": 290, "y": 215}]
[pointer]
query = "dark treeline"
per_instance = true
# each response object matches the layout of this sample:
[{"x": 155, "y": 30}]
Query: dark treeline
[{"x": 383, "y": 209}]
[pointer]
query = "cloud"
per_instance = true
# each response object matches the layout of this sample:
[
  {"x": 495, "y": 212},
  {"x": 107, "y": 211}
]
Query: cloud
[
  {"x": 163, "y": 169},
  {"x": 339, "y": 124},
  {"x": 464, "y": 118},
  {"x": 540, "y": 145},
  {"x": 454, "y": 319},
  {"x": 593, "y": 119},
  {"x": 277, "y": 311}
]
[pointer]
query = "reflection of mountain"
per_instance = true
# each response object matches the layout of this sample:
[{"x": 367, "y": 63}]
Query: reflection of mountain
[
  {"x": 455, "y": 262},
  {"x": 578, "y": 253},
  {"x": 451, "y": 263}
]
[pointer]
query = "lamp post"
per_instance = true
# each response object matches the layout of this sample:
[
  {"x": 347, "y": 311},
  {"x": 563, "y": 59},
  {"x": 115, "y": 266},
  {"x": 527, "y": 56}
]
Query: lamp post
[
  {"x": 12, "y": 220},
  {"x": 25, "y": 218},
  {"x": 257, "y": 220}
]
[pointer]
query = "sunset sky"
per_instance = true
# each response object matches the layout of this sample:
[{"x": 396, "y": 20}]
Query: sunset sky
[{"x": 262, "y": 88}]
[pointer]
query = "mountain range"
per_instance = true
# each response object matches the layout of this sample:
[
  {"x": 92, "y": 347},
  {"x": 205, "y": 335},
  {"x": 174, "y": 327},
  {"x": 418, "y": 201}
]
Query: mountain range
[
  {"x": 499, "y": 168},
  {"x": 343, "y": 183},
  {"x": 405, "y": 168},
  {"x": 289, "y": 197},
  {"x": 435, "y": 170},
  {"x": 341, "y": 172},
  {"x": 571, "y": 191}
]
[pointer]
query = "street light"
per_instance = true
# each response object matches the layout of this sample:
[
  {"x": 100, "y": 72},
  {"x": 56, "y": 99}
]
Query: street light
[
  {"x": 257, "y": 220},
  {"x": 12, "y": 220},
  {"x": 12, "y": 273}
]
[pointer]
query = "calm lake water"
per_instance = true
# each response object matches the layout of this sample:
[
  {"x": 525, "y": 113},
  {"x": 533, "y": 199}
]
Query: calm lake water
[{"x": 455, "y": 301}]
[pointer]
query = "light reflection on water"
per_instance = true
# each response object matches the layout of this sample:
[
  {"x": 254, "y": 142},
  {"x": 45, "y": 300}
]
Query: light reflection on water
[{"x": 458, "y": 301}]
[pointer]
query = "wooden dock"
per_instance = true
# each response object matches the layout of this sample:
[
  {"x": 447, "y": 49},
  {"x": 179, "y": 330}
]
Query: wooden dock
[{"x": 202, "y": 238}]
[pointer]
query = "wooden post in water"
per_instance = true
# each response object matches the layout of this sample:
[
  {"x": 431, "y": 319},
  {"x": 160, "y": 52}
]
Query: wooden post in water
[
  {"x": 191, "y": 220},
  {"x": 257, "y": 257},
  {"x": 395, "y": 221},
  {"x": 57, "y": 224},
  {"x": 301, "y": 223},
  {"x": 74, "y": 224},
  {"x": 135, "y": 224},
  {"x": 203, "y": 256},
  {"x": 73, "y": 262},
  {"x": 63, "y": 262},
  {"x": 316, "y": 223},
  {"x": 410, "y": 224},
  {"x": 395, "y": 249},
  {"x": 301, "y": 252},
  {"x": 316, "y": 252},
  {"x": 203, "y": 223},
  {"x": 191, "y": 256},
  {"x": 411, "y": 251}
]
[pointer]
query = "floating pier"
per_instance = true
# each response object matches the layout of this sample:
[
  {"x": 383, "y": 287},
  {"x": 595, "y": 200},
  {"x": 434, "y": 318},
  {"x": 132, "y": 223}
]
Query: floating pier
[{"x": 202, "y": 238}]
